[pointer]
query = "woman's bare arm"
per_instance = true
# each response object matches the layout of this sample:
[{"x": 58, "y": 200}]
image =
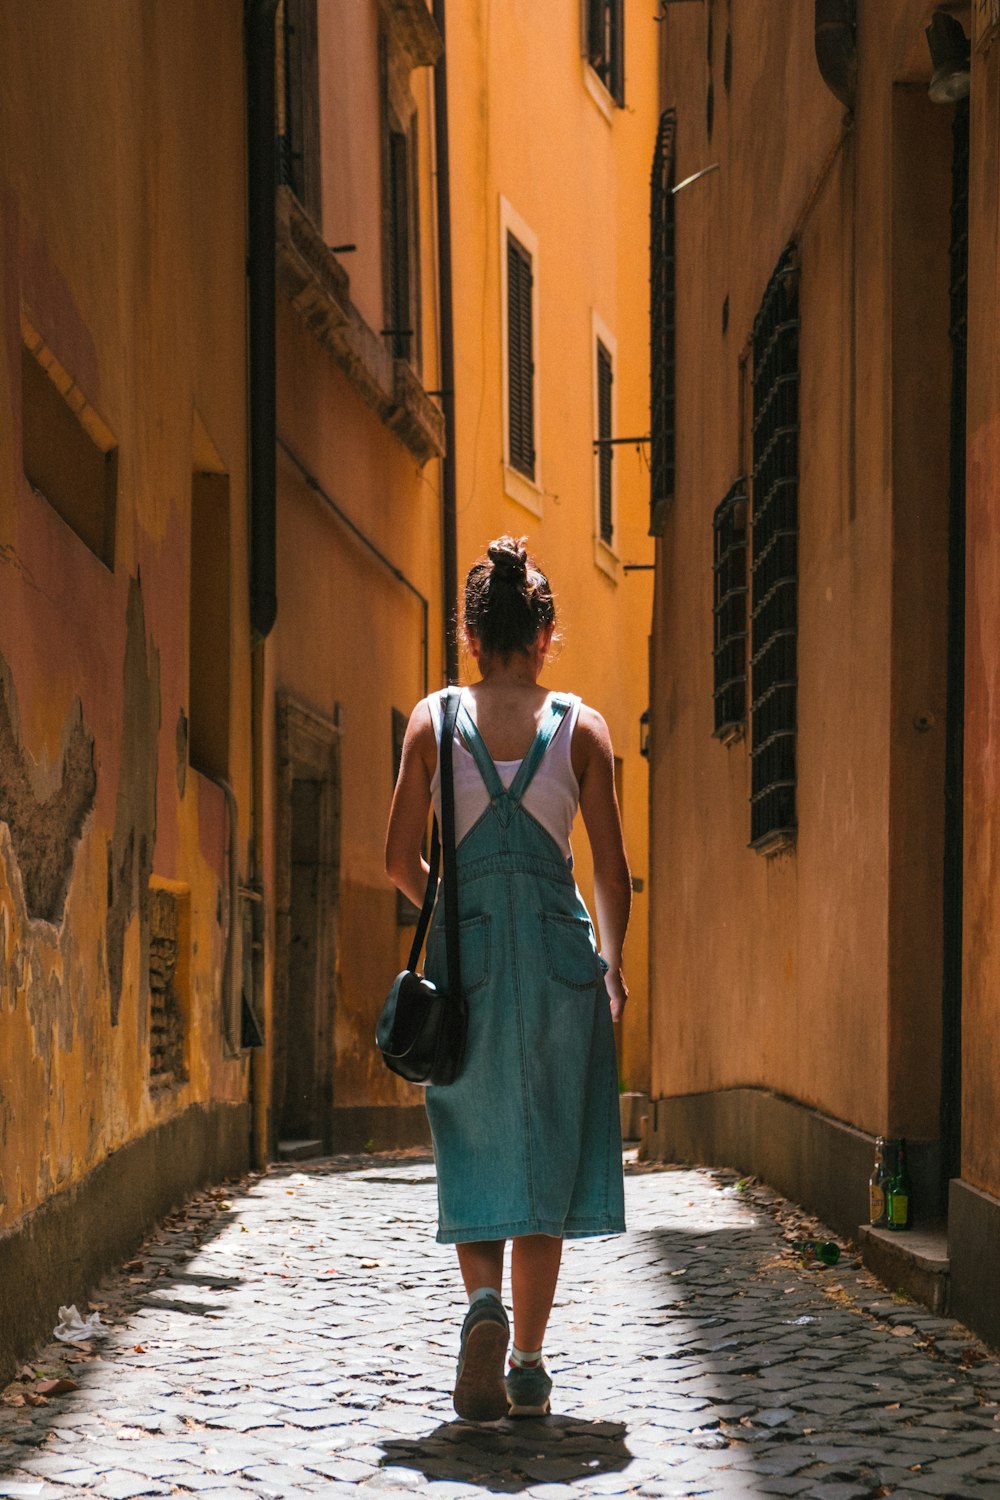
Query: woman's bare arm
[
  {"x": 404, "y": 861},
  {"x": 594, "y": 763}
]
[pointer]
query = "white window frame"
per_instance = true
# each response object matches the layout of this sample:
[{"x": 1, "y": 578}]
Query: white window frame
[
  {"x": 517, "y": 486},
  {"x": 605, "y": 554},
  {"x": 601, "y": 95}
]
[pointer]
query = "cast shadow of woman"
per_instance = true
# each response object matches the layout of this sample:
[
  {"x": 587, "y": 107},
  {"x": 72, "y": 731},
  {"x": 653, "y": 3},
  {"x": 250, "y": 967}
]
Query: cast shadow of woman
[{"x": 510, "y": 1456}]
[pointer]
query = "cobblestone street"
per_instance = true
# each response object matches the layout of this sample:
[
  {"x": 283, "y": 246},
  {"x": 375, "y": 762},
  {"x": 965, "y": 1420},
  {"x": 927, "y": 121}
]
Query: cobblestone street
[{"x": 299, "y": 1338}]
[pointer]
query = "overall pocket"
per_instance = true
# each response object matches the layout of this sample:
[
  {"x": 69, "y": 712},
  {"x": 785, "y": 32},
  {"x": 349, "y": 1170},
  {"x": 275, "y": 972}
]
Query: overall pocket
[
  {"x": 474, "y": 954},
  {"x": 570, "y": 955}
]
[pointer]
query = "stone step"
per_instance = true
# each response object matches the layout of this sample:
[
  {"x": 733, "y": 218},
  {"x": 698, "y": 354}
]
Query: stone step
[
  {"x": 299, "y": 1150},
  {"x": 914, "y": 1261}
]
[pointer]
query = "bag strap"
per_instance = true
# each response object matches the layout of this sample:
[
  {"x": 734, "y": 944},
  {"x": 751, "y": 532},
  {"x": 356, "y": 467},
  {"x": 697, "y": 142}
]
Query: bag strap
[
  {"x": 453, "y": 698},
  {"x": 446, "y": 838}
]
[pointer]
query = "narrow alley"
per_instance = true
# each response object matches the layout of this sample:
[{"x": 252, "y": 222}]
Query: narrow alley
[{"x": 298, "y": 1337}]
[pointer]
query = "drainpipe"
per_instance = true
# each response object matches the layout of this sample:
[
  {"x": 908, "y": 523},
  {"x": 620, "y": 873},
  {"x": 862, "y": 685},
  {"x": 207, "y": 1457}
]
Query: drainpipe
[
  {"x": 262, "y": 181},
  {"x": 837, "y": 48},
  {"x": 449, "y": 509}
]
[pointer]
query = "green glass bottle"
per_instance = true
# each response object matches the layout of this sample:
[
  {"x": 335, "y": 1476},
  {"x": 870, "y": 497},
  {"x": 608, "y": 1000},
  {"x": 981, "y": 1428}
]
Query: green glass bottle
[
  {"x": 823, "y": 1252},
  {"x": 877, "y": 1184},
  {"x": 899, "y": 1201}
]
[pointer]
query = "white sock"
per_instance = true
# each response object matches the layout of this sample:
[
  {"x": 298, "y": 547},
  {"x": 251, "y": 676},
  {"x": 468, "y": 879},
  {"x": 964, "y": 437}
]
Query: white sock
[
  {"x": 484, "y": 1291},
  {"x": 525, "y": 1358}
]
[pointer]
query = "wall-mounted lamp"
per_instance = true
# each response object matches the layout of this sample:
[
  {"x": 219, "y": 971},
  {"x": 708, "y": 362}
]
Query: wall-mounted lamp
[
  {"x": 644, "y": 734},
  {"x": 949, "y": 49}
]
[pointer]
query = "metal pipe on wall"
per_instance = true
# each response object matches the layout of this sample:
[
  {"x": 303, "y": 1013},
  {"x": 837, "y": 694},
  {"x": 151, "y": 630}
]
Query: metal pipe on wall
[
  {"x": 446, "y": 334},
  {"x": 262, "y": 182}
]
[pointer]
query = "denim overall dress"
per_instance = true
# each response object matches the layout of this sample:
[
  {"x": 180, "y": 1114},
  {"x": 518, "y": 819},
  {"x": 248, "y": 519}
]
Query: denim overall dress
[{"x": 527, "y": 1139}]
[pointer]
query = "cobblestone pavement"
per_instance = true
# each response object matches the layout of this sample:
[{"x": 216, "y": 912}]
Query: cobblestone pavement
[{"x": 298, "y": 1338}]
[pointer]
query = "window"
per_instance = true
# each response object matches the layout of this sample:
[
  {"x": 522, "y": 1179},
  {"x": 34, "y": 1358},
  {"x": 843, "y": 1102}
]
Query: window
[
  {"x": 729, "y": 529},
  {"x": 662, "y": 323},
  {"x": 298, "y": 141},
  {"x": 605, "y": 448},
  {"x": 605, "y": 23},
  {"x": 400, "y": 313},
  {"x": 520, "y": 358},
  {"x": 774, "y": 572},
  {"x": 70, "y": 457}
]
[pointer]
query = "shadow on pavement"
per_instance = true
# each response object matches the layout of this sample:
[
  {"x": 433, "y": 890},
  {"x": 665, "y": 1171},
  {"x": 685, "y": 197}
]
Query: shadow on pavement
[{"x": 509, "y": 1457}]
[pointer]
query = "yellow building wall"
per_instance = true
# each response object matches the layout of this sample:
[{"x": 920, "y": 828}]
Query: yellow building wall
[
  {"x": 349, "y": 643},
  {"x": 123, "y": 272},
  {"x": 532, "y": 127},
  {"x": 815, "y": 973}
]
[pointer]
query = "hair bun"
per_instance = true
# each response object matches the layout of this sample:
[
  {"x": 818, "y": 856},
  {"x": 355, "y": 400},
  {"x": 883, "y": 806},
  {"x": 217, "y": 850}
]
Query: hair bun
[{"x": 510, "y": 555}]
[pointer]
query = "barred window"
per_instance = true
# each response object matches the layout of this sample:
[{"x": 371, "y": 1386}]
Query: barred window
[
  {"x": 730, "y": 612},
  {"x": 605, "y": 447},
  {"x": 606, "y": 44},
  {"x": 774, "y": 570},
  {"x": 662, "y": 322},
  {"x": 520, "y": 362}
]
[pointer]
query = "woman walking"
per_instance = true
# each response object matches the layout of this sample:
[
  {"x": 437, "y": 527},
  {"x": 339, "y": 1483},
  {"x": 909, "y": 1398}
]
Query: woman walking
[{"x": 526, "y": 1140}]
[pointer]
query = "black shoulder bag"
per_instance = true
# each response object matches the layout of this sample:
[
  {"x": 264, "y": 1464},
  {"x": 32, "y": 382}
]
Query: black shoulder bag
[{"x": 421, "y": 1031}]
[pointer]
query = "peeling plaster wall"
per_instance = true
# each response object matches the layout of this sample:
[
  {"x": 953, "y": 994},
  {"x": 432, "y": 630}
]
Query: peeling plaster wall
[{"x": 122, "y": 241}]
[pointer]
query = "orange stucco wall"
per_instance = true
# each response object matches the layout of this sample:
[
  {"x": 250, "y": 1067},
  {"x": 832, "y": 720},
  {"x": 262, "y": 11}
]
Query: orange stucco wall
[
  {"x": 348, "y": 640},
  {"x": 532, "y": 127},
  {"x": 980, "y": 1039},
  {"x": 815, "y": 972},
  {"x": 128, "y": 261}
]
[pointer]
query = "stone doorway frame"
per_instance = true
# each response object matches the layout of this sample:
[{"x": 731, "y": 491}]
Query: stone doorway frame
[{"x": 308, "y": 748}]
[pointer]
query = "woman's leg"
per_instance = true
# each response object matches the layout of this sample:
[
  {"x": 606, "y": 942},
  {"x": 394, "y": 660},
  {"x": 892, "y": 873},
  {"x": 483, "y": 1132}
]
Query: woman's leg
[
  {"x": 481, "y": 1264},
  {"x": 534, "y": 1271},
  {"x": 480, "y": 1393}
]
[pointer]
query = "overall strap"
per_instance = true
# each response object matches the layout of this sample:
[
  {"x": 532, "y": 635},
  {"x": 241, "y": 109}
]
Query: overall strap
[
  {"x": 558, "y": 707},
  {"x": 477, "y": 749}
]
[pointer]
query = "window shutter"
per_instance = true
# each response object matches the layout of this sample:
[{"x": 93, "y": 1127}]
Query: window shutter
[
  {"x": 520, "y": 368},
  {"x": 400, "y": 304},
  {"x": 605, "y": 450},
  {"x": 662, "y": 277}
]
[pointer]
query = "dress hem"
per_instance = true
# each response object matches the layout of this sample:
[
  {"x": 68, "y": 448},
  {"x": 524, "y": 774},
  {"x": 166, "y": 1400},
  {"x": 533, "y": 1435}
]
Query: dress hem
[{"x": 578, "y": 1229}]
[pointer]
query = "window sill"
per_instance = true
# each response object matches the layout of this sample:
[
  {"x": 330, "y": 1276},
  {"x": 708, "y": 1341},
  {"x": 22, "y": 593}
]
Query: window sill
[
  {"x": 518, "y": 487},
  {"x": 607, "y": 560},
  {"x": 316, "y": 285},
  {"x": 604, "y": 100},
  {"x": 774, "y": 843}
]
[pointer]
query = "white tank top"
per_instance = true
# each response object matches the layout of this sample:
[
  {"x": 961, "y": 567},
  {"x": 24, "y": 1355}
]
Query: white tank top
[{"x": 553, "y": 794}]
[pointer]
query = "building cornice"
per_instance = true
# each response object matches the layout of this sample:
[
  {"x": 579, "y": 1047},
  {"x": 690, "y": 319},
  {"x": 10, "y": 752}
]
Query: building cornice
[{"x": 316, "y": 285}]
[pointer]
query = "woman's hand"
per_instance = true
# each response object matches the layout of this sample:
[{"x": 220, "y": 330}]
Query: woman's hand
[
  {"x": 614, "y": 983},
  {"x": 594, "y": 764}
]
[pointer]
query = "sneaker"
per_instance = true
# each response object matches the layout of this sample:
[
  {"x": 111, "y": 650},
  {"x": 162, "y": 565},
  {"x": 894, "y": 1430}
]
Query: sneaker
[
  {"x": 528, "y": 1390},
  {"x": 480, "y": 1395}
]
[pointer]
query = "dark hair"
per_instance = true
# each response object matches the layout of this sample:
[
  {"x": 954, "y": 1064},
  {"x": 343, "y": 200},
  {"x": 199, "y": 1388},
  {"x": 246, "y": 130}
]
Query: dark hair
[{"x": 508, "y": 599}]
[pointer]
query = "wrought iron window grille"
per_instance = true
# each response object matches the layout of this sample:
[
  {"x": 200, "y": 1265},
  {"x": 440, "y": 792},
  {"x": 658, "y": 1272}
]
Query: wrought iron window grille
[
  {"x": 774, "y": 566},
  {"x": 729, "y": 531},
  {"x": 663, "y": 314}
]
